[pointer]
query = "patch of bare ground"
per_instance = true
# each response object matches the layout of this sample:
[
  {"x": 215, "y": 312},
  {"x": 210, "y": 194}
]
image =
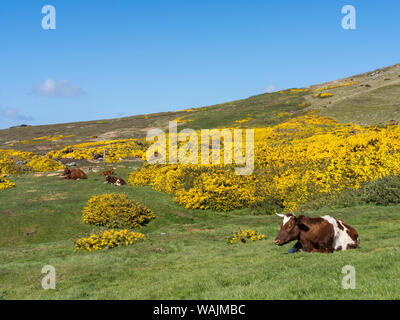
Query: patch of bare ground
[
  {"x": 107, "y": 136},
  {"x": 54, "y": 174},
  {"x": 78, "y": 162},
  {"x": 198, "y": 230},
  {"x": 182, "y": 215},
  {"x": 134, "y": 160},
  {"x": 147, "y": 129},
  {"x": 51, "y": 197},
  {"x": 9, "y": 213},
  {"x": 43, "y": 148},
  {"x": 30, "y": 232}
]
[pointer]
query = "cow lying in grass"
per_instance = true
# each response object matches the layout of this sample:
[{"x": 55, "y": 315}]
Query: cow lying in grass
[
  {"x": 324, "y": 234},
  {"x": 116, "y": 181},
  {"x": 107, "y": 172},
  {"x": 74, "y": 174}
]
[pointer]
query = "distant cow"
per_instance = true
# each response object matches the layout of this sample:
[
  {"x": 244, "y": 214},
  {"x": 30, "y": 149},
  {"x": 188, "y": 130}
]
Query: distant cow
[
  {"x": 115, "y": 180},
  {"x": 74, "y": 174},
  {"x": 324, "y": 234},
  {"x": 107, "y": 173}
]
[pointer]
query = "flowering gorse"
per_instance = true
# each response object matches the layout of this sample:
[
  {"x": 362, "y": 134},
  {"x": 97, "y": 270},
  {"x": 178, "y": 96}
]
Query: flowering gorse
[
  {"x": 41, "y": 139},
  {"x": 323, "y": 95},
  {"x": 116, "y": 150},
  {"x": 108, "y": 239},
  {"x": 13, "y": 161},
  {"x": 302, "y": 159},
  {"x": 6, "y": 184},
  {"x": 339, "y": 85},
  {"x": 246, "y": 234},
  {"x": 116, "y": 210}
]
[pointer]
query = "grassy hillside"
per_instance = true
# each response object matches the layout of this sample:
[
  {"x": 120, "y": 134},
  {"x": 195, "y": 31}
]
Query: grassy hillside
[
  {"x": 372, "y": 99},
  {"x": 187, "y": 255},
  {"x": 262, "y": 109}
]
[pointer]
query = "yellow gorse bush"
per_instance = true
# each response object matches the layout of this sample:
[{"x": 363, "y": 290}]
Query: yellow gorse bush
[
  {"x": 324, "y": 95},
  {"x": 339, "y": 85},
  {"x": 108, "y": 239},
  {"x": 300, "y": 160},
  {"x": 243, "y": 120},
  {"x": 13, "y": 161},
  {"x": 42, "y": 139},
  {"x": 6, "y": 184},
  {"x": 294, "y": 91},
  {"x": 182, "y": 120},
  {"x": 116, "y": 210},
  {"x": 43, "y": 164},
  {"x": 246, "y": 234},
  {"x": 116, "y": 150},
  {"x": 197, "y": 186}
]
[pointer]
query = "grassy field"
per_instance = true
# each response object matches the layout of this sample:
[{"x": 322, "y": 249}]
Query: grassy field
[{"x": 186, "y": 256}]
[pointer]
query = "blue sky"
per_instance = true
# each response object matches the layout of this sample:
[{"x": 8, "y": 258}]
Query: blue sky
[{"x": 108, "y": 59}]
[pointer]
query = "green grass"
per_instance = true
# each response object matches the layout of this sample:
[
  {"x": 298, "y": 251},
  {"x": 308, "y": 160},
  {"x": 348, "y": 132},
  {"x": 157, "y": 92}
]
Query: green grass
[
  {"x": 377, "y": 106},
  {"x": 261, "y": 110},
  {"x": 186, "y": 256}
]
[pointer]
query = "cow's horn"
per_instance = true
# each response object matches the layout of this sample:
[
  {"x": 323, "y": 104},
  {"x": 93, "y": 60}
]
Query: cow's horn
[{"x": 279, "y": 215}]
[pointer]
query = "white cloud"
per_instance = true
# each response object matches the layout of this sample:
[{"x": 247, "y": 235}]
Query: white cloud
[
  {"x": 270, "y": 88},
  {"x": 14, "y": 114},
  {"x": 61, "y": 88}
]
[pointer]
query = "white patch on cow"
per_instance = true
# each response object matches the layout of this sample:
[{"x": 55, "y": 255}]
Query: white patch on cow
[
  {"x": 341, "y": 238},
  {"x": 286, "y": 219}
]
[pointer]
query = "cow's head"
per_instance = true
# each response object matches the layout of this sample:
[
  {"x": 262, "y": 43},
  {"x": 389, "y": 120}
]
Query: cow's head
[
  {"x": 66, "y": 171},
  {"x": 290, "y": 229}
]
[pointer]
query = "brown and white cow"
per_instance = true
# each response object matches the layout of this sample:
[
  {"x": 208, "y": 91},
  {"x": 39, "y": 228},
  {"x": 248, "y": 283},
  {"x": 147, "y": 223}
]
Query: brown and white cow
[
  {"x": 74, "y": 174},
  {"x": 116, "y": 181},
  {"x": 107, "y": 172},
  {"x": 322, "y": 234}
]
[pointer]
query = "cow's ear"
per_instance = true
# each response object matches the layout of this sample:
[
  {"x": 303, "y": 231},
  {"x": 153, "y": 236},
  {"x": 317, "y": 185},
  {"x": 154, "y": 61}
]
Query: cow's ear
[{"x": 303, "y": 227}]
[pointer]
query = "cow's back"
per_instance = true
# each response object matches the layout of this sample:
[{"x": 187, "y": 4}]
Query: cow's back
[
  {"x": 345, "y": 236},
  {"x": 77, "y": 174}
]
